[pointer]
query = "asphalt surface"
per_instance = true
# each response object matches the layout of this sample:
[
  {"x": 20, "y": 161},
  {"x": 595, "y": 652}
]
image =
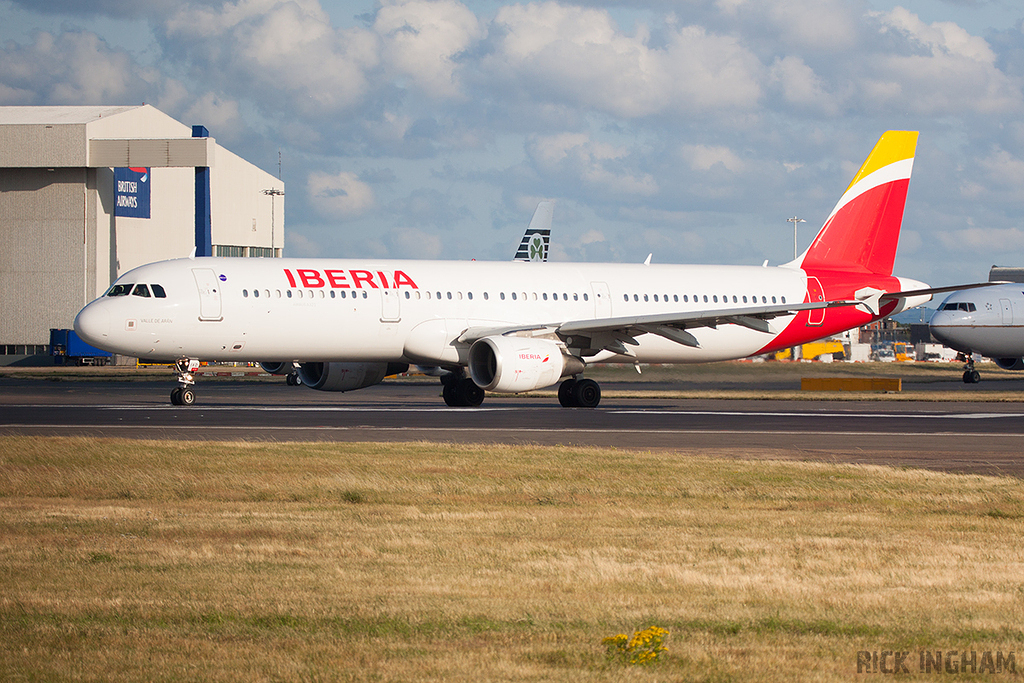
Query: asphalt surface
[{"x": 982, "y": 438}]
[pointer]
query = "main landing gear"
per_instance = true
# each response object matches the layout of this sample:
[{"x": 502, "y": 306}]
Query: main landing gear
[
  {"x": 579, "y": 393},
  {"x": 971, "y": 376},
  {"x": 184, "y": 394},
  {"x": 460, "y": 391}
]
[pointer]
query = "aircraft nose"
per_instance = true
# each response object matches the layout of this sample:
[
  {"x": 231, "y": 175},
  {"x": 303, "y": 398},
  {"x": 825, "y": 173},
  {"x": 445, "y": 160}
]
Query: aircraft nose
[
  {"x": 948, "y": 330},
  {"x": 92, "y": 324}
]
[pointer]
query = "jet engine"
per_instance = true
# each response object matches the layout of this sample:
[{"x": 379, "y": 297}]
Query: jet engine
[
  {"x": 275, "y": 368},
  {"x": 346, "y": 376},
  {"x": 513, "y": 364},
  {"x": 1010, "y": 363}
]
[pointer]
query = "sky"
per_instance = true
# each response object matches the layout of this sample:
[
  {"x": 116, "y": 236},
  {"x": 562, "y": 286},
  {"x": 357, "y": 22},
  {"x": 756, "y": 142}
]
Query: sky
[{"x": 688, "y": 129}]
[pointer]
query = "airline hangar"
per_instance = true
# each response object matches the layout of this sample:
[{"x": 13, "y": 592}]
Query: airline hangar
[{"x": 90, "y": 192}]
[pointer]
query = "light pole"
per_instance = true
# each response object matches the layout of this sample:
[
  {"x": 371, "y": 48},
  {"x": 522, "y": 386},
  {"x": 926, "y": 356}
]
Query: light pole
[
  {"x": 273, "y": 192},
  {"x": 794, "y": 220}
]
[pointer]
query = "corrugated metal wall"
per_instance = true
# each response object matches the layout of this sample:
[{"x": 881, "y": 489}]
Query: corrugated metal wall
[{"x": 43, "y": 230}]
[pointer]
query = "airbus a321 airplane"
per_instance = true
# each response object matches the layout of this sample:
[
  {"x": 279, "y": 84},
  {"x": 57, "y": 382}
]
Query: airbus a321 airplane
[
  {"x": 512, "y": 326},
  {"x": 988, "y": 321}
]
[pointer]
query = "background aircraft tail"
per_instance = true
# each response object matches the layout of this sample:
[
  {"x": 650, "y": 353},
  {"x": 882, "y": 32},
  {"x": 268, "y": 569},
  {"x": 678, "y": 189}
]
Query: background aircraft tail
[
  {"x": 863, "y": 230},
  {"x": 534, "y": 246}
]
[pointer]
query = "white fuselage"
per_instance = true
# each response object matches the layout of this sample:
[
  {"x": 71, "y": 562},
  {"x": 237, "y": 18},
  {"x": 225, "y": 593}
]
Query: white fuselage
[
  {"x": 989, "y": 321},
  {"x": 413, "y": 311}
]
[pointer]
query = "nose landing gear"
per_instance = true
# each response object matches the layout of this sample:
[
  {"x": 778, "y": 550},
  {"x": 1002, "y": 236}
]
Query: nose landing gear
[
  {"x": 184, "y": 394},
  {"x": 971, "y": 376}
]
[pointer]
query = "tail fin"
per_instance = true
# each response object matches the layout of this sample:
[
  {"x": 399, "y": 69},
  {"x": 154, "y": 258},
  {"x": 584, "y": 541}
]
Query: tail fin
[
  {"x": 863, "y": 230},
  {"x": 534, "y": 246}
]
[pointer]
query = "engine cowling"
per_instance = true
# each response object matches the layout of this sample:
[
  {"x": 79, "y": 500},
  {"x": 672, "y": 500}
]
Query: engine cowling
[
  {"x": 514, "y": 364},
  {"x": 1010, "y": 363},
  {"x": 346, "y": 376}
]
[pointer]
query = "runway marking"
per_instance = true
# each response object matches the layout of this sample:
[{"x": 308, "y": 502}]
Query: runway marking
[{"x": 471, "y": 411}]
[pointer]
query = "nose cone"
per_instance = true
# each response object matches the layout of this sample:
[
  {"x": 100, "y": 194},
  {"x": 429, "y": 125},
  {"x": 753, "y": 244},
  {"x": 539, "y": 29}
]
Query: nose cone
[
  {"x": 949, "y": 330},
  {"x": 92, "y": 324}
]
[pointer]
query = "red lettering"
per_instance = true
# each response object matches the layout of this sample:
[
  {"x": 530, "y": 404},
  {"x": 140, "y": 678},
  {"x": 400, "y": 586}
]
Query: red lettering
[
  {"x": 288, "y": 274},
  {"x": 402, "y": 279},
  {"x": 383, "y": 279},
  {"x": 310, "y": 278},
  {"x": 337, "y": 278},
  {"x": 361, "y": 276}
]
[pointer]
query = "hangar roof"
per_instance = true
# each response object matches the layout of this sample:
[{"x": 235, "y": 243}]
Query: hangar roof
[
  {"x": 57, "y": 115},
  {"x": 98, "y": 136}
]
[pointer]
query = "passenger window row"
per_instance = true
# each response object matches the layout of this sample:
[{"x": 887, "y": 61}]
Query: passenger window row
[
  {"x": 513, "y": 296},
  {"x": 409, "y": 294},
  {"x": 706, "y": 299}
]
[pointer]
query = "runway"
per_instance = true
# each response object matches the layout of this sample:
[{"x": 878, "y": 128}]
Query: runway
[{"x": 983, "y": 438}]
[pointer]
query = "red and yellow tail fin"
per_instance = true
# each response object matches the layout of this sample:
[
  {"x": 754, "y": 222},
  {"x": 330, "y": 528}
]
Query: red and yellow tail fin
[{"x": 863, "y": 230}]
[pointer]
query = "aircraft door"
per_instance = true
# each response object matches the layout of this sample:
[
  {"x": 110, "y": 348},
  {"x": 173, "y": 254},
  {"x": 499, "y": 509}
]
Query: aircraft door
[
  {"x": 209, "y": 294},
  {"x": 602, "y": 299},
  {"x": 815, "y": 294},
  {"x": 1007, "y": 311},
  {"x": 391, "y": 306}
]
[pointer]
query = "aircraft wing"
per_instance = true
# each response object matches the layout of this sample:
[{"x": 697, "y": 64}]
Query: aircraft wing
[
  {"x": 871, "y": 298},
  {"x": 614, "y": 333},
  {"x": 940, "y": 290}
]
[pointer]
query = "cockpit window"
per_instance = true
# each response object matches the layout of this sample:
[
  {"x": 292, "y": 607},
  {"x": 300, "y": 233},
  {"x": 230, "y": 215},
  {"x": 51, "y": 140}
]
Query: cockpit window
[
  {"x": 158, "y": 291},
  {"x": 120, "y": 290},
  {"x": 141, "y": 290},
  {"x": 960, "y": 306}
]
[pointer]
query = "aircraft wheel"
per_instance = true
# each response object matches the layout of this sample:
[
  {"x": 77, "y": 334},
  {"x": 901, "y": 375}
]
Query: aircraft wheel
[
  {"x": 450, "y": 394},
  {"x": 972, "y": 376},
  {"x": 292, "y": 379},
  {"x": 565, "y": 393},
  {"x": 586, "y": 393},
  {"x": 176, "y": 397},
  {"x": 187, "y": 397},
  {"x": 470, "y": 395}
]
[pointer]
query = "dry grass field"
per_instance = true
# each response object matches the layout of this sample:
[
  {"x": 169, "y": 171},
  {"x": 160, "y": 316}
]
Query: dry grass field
[{"x": 145, "y": 561}]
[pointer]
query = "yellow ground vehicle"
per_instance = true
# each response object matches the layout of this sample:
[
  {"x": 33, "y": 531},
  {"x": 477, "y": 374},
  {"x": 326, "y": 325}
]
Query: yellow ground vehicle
[{"x": 815, "y": 350}]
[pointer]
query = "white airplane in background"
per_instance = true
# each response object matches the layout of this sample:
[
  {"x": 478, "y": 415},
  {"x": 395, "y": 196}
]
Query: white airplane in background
[
  {"x": 988, "y": 321},
  {"x": 510, "y": 326}
]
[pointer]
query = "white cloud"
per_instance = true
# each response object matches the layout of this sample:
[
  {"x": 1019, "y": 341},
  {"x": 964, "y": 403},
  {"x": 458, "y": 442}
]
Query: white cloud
[
  {"x": 705, "y": 157},
  {"x": 414, "y": 243},
  {"x": 802, "y": 87},
  {"x": 831, "y": 25},
  {"x": 576, "y": 55},
  {"x": 949, "y": 71},
  {"x": 215, "y": 113},
  {"x": 71, "y": 68},
  {"x": 342, "y": 195},
  {"x": 599, "y": 165},
  {"x": 990, "y": 241},
  {"x": 286, "y": 50},
  {"x": 421, "y": 39}
]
